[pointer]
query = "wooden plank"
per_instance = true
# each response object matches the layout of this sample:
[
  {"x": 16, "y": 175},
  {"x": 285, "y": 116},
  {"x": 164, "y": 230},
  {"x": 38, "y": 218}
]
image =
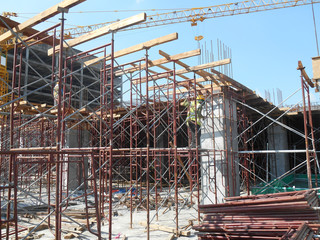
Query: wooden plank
[
  {"x": 202, "y": 88},
  {"x": 9, "y": 22},
  {"x": 136, "y": 48},
  {"x": 160, "y": 61},
  {"x": 231, "y": 81},
  {"x": 28, "y": 31},
  {"x": 304, "y": 74},
  {"x": 168, "y": 70},
  {"x": 103, "y": 31},
  {"x": 186, "y": 66},
  {"x": 50, "y": 12},
  {"x": 166, "y": 229},
  {"x": 167, "y": 56},
  {"x": 191, "y": 69},
  {"x": 181, "y": 83}
]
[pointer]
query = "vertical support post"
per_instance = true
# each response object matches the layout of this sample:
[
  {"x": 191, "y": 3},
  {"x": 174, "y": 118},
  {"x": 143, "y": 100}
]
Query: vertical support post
[
  {"x": 131, "y": 146},
  {"x": 82, "y": 86},
  {"x": 214, "y": 149},
  {"x": 58, "y": 137},
  {"x": 148, "y": 146},
  {"x": 315, "y": 158},
  {"x": 175, "y": 148},
  {"x": 26, "y": 72},
  {"x": 304, "y": 86},
  {"x": 226, "y": 152},
  {"x": 15, "y": 202},
  {"x": 14, "y": 76},
  {"x": 197, "y": 143},
  {"x": 111, "y": 135}
]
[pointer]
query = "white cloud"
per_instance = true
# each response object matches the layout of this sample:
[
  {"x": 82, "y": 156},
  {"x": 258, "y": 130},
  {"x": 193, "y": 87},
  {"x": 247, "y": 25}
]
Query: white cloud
[{"x": 139, "y": 1}]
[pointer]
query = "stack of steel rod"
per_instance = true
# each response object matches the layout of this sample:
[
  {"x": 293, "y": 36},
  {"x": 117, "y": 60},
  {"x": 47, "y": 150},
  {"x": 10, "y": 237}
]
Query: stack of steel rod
[{"x": 291, "y": 215}]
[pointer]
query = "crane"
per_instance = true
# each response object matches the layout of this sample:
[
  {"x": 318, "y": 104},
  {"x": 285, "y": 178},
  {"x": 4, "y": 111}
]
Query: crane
[{"x": 194, "y": 15}]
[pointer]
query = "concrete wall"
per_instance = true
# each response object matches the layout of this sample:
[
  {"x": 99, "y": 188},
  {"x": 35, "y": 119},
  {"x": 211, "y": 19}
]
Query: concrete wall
[
  {"x": 278, "y": 140},
  {"x": 219, "y": 166},
  {"x": 75, "y": 139}
]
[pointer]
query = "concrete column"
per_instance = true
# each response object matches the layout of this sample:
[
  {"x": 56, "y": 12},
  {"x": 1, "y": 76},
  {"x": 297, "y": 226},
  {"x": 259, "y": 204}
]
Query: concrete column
[
  {"x": 277, "y": 140},
  {"x": 75, "y": 139},
  {"x": 219, "y": 169},
  {"x": 162, "y": 142}
]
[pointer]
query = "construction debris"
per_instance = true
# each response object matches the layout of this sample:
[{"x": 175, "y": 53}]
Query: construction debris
[
  {"x": 166, "y": 229},
  {"x": 292, "y": 215}
]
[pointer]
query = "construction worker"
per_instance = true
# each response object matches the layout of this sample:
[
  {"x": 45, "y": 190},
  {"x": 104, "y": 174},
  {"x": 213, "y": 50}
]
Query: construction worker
[
  {"x": 55, "y": 92},
  {"x": 195, "y": 109}
]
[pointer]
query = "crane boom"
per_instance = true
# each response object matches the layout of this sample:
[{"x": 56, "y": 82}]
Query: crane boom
[{"x": 199, "y": 14}]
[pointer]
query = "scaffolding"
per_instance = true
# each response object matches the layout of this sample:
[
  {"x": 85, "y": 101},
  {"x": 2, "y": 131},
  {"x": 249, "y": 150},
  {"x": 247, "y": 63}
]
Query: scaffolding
[{"x": 126, "y": 129}]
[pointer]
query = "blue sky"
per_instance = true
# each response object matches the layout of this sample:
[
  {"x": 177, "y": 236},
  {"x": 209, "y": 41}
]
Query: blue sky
[{"x": 266, "y": 46}]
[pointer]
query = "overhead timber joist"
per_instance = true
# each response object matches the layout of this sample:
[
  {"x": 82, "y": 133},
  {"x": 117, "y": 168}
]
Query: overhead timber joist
[
  {"x": 136, "y": 48},
  {"x": 103, "y": 31},
  {"x": 182, "y": 71},
  {"x": 39, "y": 18},
  {"x": 158, "y": 62},
  {"x": 29, "y": 31}
]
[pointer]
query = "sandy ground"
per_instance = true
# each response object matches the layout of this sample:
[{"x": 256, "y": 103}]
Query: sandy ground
[{"x": 120, "y": 223}]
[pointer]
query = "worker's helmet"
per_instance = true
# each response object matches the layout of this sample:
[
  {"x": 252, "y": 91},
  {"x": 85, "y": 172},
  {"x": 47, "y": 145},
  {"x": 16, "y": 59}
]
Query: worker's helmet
[{"x": 200, "y": 97}]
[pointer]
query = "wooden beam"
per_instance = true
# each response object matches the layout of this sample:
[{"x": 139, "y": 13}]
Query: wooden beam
[
  {"x": 166, "y": 229},
  {"x": 167, "y": 56},
  {"x": 231, "y": 81},
  {"x": 168, "y": 69},
  {"x": 153, "y": 72},
  {"x": 50, "y": 12},
  {"x": 160, "y": 61},
  {"x": 186, "y": 66},
  {"x": 103, "y": 31},
  {"x": 181, "y": 83},
  {"x": 203, "y": 87},
  {"x": 191, "y": 69},
  {"x": 136, "y": 48},
  {"x": 304, "y": 74},
  {"x": 28, "y": 31}
]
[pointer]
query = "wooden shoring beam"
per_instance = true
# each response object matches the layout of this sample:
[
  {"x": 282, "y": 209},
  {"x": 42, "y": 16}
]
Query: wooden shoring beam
[
  {"x": 201, "y": 73},
  {"x": 231, "y": 81},
  {"x": 50, "y": 12},
  {"x": 206, "y": 88},
  {"x": 28, "y": 31},
  {"x": 182, "y": 71},
  {"x": 168, "y": 57},
  {"x": 153, "y": 72},
  {"x": 168, "y": 70},
  {"x": 103, "y": 31},
  {"x": 159, "y": 62},
  {"x": 183, "y": 83},
  {"x": 136, "y": 48},
  {"x": 304, "y": 74}
]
